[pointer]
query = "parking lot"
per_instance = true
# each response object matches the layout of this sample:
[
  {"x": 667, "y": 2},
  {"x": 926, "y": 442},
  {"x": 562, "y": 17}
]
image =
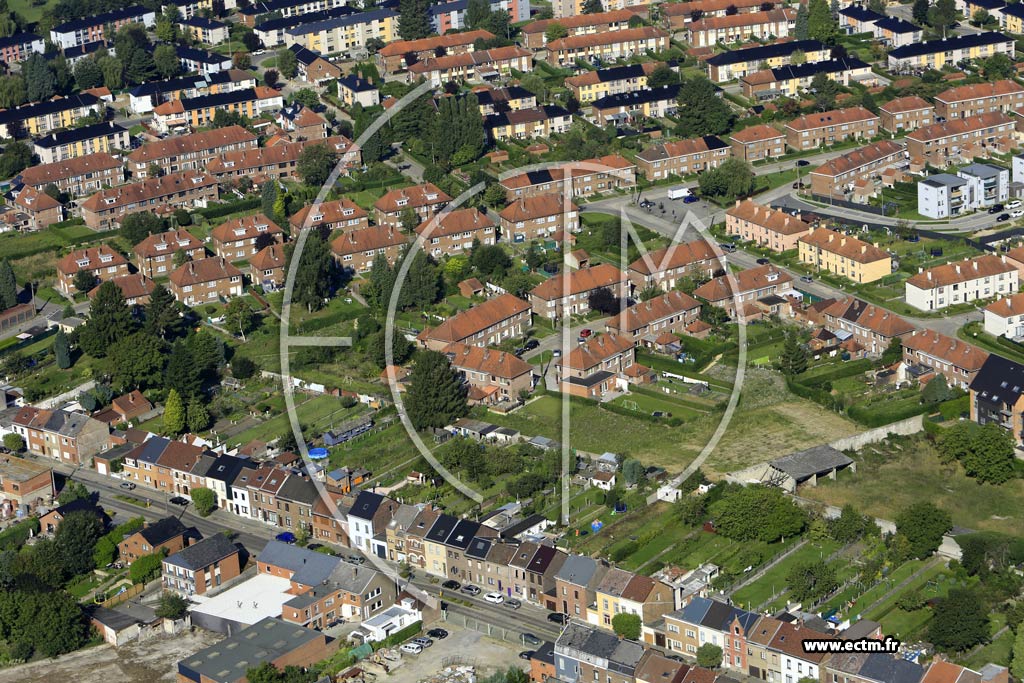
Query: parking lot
[{"x": 463, "y": 647}]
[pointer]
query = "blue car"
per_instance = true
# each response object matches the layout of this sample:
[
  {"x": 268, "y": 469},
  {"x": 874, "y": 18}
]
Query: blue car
[
  {"x": 689, "y": 199},
  {"x": 285, "y": 537}
]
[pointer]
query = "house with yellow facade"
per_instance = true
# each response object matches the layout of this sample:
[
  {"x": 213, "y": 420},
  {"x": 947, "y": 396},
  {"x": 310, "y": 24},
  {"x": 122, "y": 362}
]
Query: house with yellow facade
[
  {"x": 40, "y": 118},
  {"x": 844, "y": 255},
  {"x": 731, "y": 64},
  {"x": 344, "y": 33},
  {"x": 935, "y": 54}
]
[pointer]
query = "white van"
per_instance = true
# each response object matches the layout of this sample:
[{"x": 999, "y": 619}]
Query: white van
[{"x": 678, "y": 192}]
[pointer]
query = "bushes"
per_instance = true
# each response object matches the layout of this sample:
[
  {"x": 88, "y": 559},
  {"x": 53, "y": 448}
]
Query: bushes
[
  {"x": 848, "y": 369},
  {"x": 14, "y": 537},
  {"x": 399, "y": 637},
  {"x": 146, "y": 567},
  {"x": 877, "y": 415},
  {"x": 955, "y": 407}
]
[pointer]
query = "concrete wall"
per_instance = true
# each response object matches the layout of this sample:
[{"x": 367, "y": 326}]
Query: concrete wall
[{"x": 911, "y": 425}]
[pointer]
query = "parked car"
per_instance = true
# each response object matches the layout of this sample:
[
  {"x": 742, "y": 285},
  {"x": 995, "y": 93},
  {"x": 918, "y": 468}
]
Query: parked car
[
  {"x": 526, "y": 654},
  {"x": 1015, "y": 204},
  {"x": 586, "y": 332},
  {"x": 127, "y": 485},
  {"x": 451, "y": 585},
  {"x": 470, "y": 589},
  {"x": 1002, "y": 217},
  {"x": 558, "y": 618},
  {"x": 514, "y": 603},
  {"x": 437, "y": 633},
  {"x": 531, "y": 345},
  {"x": 531, "y": 639},
  {"x": 806, "y": 278},
  {"x": 356, "y": 559},
  {"x": 727, "y": 246},
  {"x": 1017, "y": 214},
  {"x": 411, "y": 648},
  {"x": 422, "y": 641},
  {"x": 689, "y": 199},
  {"x": 763, "y": 262},
  {"x": 285, "y": 537},
  {"x": 995, "y": 208},
  {"x": 803, "y": 162},
  {"x": 495, "y": 598},
  {"x": 179, "y": 500}
]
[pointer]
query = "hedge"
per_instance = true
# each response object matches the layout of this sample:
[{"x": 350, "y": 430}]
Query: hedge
[
  {"x": 15, "y": 536},
  {"x": 819, "y": 396},
  {"x": 848, "y": 369},
  {"x": 880, "y": 415},
  {"x": 219, "y": 210},
  {"x": 954, "y": 407},
  {"x": 399, "y": 637}
]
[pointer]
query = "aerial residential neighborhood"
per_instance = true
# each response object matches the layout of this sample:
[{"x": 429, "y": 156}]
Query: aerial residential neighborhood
[{"x": 499, "y": 341}]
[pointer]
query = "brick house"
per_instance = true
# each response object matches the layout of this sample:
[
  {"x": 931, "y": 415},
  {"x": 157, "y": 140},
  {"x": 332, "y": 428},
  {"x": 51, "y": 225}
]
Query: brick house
[
  {"x": 665, "y": 267},
  {"x": 166, "y": 534},
  {"x": 72, "y": 438},
  {"x": 105, "y": 209},
  {"x": 392, "y": 58},
  {"x": 906, "y": 114},
  {"x": 266, "y": 267},
  {"x": 872, "y": 328},
  {"x": 964, "y": 101},
  {"x": 765, "y": 226},
  {"x": 456, "y": 231},
  {"x": 188, "y": 152},
  {"x": 77, "y": 176},
  {"x": 954, "y": 359},
  {"x": 103, "y": 262},
  {"x": 535, "y": 33},
  {"x": 740, "y": 27},
  {"x": 424, "y": 200},
  {"x": 590, "y": 176},
  {"x": 682, "y": 157},
  {"x": 154, "y": 255},
  {"x": 575, "y": 585},
  {"x": 812, "y": 131},
  {"x": 669, "y": 312},
  {"x": 24, "y": 482},
  {"x": 844, "y": 255},
  {"x": 568, "y": 293},
  {"x": 837, "y": 176},
  {"x": 592, "y": 369},
  {"x": 338, "y": 214},
  {"x": 758, "y": 142},
  {"x": 236, "y": 239},
  {"x": 538, "y": 217},
  {"x": 40, "y": 209},
  {"x": 492, "y": 375},
  {"x": 473, "y": 66},
  {"x": 202, "y": 566},
  {"x": 356, "y": 250},
  {"x": 608, "y": 46},
  {"x": 940, "y": 143},
  {"x": 135, "y": 288},
  {"x": 751, "y": 285},
  {"x": 205, "y": 281},
  {"x": 489, "y": 323}
]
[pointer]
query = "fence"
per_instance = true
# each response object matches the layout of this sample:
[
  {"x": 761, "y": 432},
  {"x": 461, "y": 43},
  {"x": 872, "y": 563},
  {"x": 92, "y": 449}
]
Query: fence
[
  {"x": 864, "y": 208},
  {"x": 124, "y": 596},
  {"x": 490, "y": 630}
]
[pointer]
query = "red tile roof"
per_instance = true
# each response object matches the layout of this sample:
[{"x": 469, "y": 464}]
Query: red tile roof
[
  {"x": 415, "y": 197},
  {"x": 579, "y": 281},
  {"x": 69, "y": 265},
  {"x": 986, "y": 265},
  {"x": 204, "y": 270},
  {"x": 477, "y": 318}
]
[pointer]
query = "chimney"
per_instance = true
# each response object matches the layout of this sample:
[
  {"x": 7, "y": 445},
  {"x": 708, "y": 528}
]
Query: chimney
[
  {"x": 929, "y": 275},
  {"x": 957, "y": 268}
]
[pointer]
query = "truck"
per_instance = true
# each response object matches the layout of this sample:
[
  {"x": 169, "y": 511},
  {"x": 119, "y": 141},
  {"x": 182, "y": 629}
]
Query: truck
[{"x": 679, "y": 192}]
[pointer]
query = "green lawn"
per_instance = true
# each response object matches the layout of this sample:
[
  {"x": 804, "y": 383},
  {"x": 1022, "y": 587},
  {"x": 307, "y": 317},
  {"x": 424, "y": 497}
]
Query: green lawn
[
  {"x": 755, "y": 594},
  {"x": 28, "y": 9},
  {"x": 996, "y": 652},
  {"x": 890, "y": 478},
  {"x": 975, "y": 333},
  {"x": 316, "y": 415}
]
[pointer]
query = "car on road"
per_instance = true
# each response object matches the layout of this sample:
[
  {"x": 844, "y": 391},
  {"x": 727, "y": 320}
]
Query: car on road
[
  {"x": 451, "y": 585},
  {"x": 356, "y": 559},
  {"x": 727, "y": 246},
  {"x": 514, "y": 603},
  {"x": 1015, "y": 204},
  {"x": 526, "y": 654},
  {"x": 1002, "y": 217},
  {"x": 495, "y": 598},
  {"x": 285, "y": 537},
  {"x": 557, "y": 353},
  {"x": 646, "y": 204},
  {"x": 127, "y": 485},
  {"x": 422, "y": 641},
  {"x": 470, "y": 589},
  {"x": 806, "y": 278},
  {"x": 437, "y": 633},
  {"x": 531, "y": 345},
  {"x": 411, "y": 648},
  {"x": 995, "y": 208},
  {"x": 1017, "y": 214},
  {"x": 586, "y": 332},
  {"x": 558, "y": 618},
  {"x": 178, "y": 500},
  {"x": 803, "y": 162},
  {"x": 531, "y": 639},
  {"x": 689, "y": 199},
  {"x": 763, "y": 262}
]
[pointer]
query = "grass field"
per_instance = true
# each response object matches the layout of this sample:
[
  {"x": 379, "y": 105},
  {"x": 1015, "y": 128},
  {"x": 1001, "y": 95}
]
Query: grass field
[
  {"x": 888, "y": 480},
  {"x": 315, "y": 415},
  {"x": 774, "y": 580},
  {"x": 30, "y": 10}
]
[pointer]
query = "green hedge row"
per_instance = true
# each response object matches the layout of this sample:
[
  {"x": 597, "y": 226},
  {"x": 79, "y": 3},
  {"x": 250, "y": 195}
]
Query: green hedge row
[
  {"x": 819, "y": 396},
  {"x": 15, "y": 536},
  {"x": 219, "y": 210},
  {"x": 399, "y": 637},
  {"x": 848, "y": 369},
  {"x": 880, "y": 415}
]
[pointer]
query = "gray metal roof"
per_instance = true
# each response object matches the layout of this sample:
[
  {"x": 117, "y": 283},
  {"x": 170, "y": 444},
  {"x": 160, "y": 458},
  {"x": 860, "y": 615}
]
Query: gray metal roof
[
  {"x": 944, "y": 180},
  {"x": 228, "y": 660},
  {"x": 310, "y": 568},
  {"x": 622, "y": 655},
  {"x": 816, "y": 460},
  {"x": 204, "y": 553}
]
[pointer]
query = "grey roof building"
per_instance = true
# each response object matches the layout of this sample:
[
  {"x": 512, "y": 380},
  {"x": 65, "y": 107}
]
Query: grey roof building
[
  {"x": 308, "y": 567},
  {"x": 806, "y": 466},
  {"x": 204, "y": 553},
  {"x": 582, "y": 645}
]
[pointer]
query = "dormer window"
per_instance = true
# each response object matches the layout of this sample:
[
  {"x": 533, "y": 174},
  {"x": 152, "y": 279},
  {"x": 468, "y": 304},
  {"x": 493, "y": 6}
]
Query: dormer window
[
  {"x": 317, "y": 218},
  {"x": 239, "y": 232},
  {"x": 108, "y": 200},
  {"x": 82, "y": 263},
  {"x": 432, "y": 196},
  {"x": 402, "y": 202},
  {"x": 160, "y": 246},
  {"x": 347, "y": 212},
  {"x": 261, "y": 228}
]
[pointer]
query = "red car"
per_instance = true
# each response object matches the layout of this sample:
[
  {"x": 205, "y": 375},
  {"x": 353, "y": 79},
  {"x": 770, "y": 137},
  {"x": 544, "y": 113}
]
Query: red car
[{"x": 586, "y": 332}]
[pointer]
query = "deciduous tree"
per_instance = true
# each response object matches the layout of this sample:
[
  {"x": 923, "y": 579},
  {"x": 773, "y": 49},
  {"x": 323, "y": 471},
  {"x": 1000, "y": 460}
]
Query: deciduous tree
[
  {"x": 923, "y": 525},
  {"x": 960, "y": 621},
  {"x": 205, "y": 500},
  {"x": 436, "y": 395}
]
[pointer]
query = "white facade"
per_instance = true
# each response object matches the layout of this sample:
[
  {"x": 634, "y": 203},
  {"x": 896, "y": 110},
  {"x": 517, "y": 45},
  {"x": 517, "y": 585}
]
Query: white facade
[
  {"x": 360, "y": 532},
  {"x": 972, "y": 289},
  {"x": 1005, "y": 318},
  {"x": 942, "y": 196},
  {"x": 1018, "y": 168},
  {"x": 987, "y": 185}
]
